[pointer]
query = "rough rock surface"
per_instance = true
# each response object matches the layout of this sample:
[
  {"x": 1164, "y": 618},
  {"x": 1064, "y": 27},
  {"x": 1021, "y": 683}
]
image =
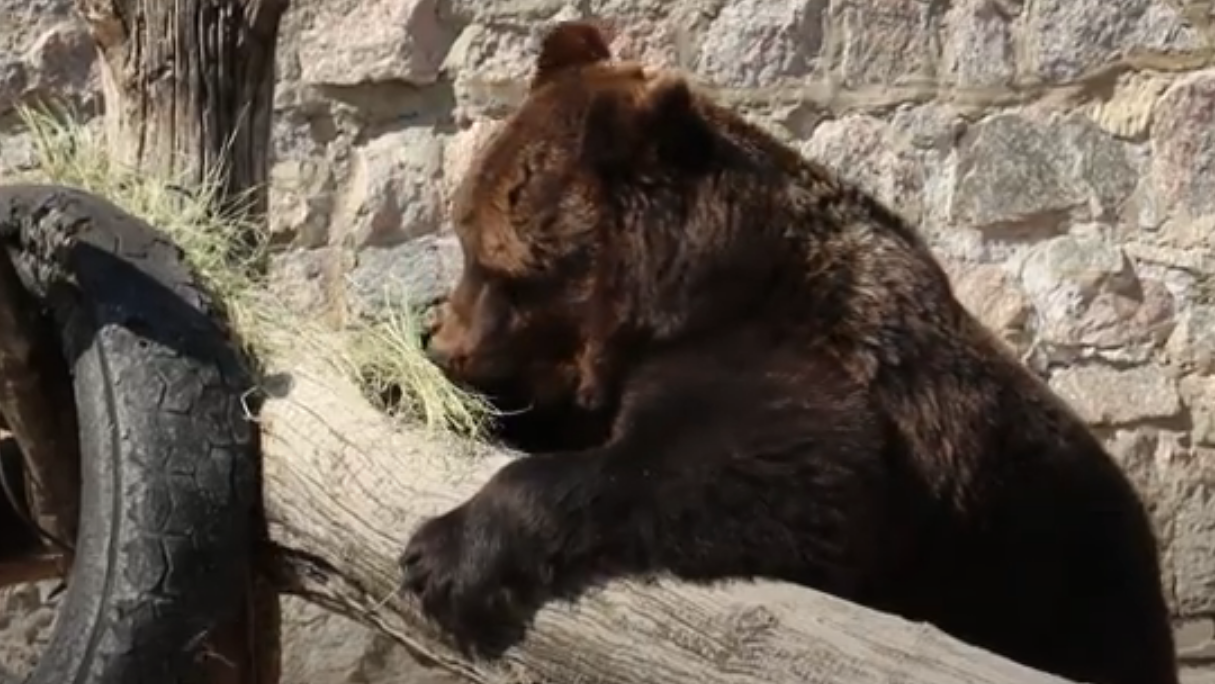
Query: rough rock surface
[{"x": 1059, "y": 153}]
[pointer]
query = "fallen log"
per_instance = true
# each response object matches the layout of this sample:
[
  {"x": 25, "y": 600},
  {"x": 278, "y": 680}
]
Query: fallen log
[{"x": 345, "y": 485}]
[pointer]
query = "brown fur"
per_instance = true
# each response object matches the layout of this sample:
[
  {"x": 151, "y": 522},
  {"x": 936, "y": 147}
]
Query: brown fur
[{"x": 768, "y": 375}]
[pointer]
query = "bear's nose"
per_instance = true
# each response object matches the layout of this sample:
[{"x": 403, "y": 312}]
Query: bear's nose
[
  {"x": 427, "y": 336},
  {"x": 432, "y": 343},
  {"x": 437, "y": 356},
  {"x": 441, "y": 355},
  {"x": 430, "y": 323}
]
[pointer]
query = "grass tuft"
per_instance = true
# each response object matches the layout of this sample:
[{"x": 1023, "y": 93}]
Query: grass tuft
[{"x": 383, "y": 355}]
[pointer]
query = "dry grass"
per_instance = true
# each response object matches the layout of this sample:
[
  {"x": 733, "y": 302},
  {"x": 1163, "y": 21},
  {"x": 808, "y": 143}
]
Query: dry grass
[{"x": 381, "y": 355}]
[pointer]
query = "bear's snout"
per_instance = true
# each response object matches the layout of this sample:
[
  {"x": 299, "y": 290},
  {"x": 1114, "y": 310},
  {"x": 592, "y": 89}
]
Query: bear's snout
[{"x": 439, "y": 338}]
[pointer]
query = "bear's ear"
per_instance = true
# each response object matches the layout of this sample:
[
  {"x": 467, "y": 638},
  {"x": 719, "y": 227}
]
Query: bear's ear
[
  {"x": 661, "y": 122},
  {"x": 679, "y": 131},
  {"x": 567, "y": 45}
]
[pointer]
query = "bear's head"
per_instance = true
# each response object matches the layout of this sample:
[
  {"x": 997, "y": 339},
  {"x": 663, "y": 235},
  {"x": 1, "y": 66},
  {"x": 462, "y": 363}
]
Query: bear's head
[{"x": 574, "y": 224}]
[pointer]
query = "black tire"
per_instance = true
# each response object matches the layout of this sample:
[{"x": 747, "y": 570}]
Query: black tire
[{"x": 171, "y": 484}]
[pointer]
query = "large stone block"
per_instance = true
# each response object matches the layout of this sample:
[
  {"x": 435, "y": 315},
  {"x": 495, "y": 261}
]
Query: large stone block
[
  {"x": 1104, "y": 395},
  {"x": 1198, "y": 393},
  {"x": 1104, "y": 168},
  {"x": 1183, "y": 147},
  {"x": 759, "y": 43},
  {"x": 1012, "y": 170},
  {"x": 353, "y": 42},
  {"x": 1087, "y": 295},
  {"x": 301, "y": 200},
  {"x": 864, "y": 150},
  {"x": 414, "y": 274},
  {"x": 58, "y": 64},
  {"x": 989, "y": 292},
  {"x": 23, "y": 20},
  {"x": 1193, "y": 527},
  {"x": 1022, "y": 171},
  {"x": 1192, "y": 344},
  {"x": 395, "y": 190},
  {"x": 888, "y": 42},
  {"x": 1068, "y": 39},
  {"x": 978, "y": 45}
]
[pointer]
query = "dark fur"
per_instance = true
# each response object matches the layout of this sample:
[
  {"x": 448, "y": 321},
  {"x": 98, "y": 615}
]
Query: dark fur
[{"x": 793, "y": 390}]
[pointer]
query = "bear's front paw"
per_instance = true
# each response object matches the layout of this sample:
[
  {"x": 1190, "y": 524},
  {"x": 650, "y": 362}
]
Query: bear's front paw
[{"x": 471, "y": 579}]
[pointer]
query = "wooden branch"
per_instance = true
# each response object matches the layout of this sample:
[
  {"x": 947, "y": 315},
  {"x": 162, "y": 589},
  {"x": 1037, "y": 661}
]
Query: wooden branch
[
  {"x": 189, "y": 90},
  {"x": 344, "y": 487}
]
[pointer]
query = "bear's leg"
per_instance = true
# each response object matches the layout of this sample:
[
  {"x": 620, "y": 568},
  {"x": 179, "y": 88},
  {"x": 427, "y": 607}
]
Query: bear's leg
[{"x": 723, "y": 484}]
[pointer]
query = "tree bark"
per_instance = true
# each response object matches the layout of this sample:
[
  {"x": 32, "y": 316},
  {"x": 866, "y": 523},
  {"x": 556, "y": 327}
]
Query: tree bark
[
  {"x": 189, "y": 89},
  {"x": 189, "y": 92},
  {"x": 345, "y": 485}
]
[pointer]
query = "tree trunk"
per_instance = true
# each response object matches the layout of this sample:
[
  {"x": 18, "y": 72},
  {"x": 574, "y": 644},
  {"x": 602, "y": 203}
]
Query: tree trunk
[
  {"x": 189, "y": 91},
  {"x": 345, "y": 485}
]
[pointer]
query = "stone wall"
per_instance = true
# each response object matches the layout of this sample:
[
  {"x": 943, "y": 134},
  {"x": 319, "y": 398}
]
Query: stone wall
[{"x": 1059, "y": 153}]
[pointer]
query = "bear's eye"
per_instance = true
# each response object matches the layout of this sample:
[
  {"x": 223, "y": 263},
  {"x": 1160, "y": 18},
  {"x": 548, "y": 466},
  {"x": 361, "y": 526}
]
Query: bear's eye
[
  {"x": 537, "y": 286},
  {"x": 515, "y": 194}
]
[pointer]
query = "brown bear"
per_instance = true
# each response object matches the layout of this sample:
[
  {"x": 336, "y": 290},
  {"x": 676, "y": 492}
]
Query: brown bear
[{"x": 775, "y": 380}]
